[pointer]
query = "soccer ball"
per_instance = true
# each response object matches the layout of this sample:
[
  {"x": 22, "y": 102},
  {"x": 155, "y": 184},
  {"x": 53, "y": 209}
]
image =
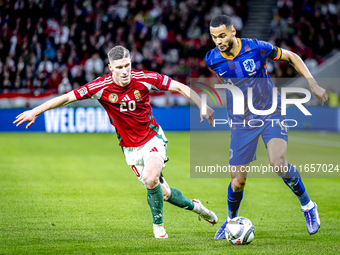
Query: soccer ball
[{"x": 240, "y": 230}]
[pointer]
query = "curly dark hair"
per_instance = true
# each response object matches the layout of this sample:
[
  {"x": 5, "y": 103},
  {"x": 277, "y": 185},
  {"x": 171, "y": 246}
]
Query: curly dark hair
[{"x": 221, "y": 20}]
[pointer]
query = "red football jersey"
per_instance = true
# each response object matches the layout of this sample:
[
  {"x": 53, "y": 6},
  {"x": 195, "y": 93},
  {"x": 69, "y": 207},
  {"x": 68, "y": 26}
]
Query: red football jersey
[{"x": 128, "y": 107}]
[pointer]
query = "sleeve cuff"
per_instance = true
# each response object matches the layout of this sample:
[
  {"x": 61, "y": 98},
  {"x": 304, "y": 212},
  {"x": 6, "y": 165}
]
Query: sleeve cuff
[
  {"x": 166, "y": 82},
  {"x": 278, "y": 55},
  {"x": 76, "y": 94}
]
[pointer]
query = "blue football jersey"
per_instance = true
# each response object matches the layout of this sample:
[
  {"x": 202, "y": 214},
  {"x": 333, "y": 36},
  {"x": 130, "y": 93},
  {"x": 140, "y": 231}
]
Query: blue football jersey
[{"x": 247, "y": 69}]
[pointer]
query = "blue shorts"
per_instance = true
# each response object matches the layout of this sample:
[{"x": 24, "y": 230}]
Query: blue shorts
[{"x": 243, "y": 142}]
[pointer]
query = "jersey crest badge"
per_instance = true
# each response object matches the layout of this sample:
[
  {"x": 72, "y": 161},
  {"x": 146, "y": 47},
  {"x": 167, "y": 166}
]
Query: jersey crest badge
[
  {"x": 249, "y": 65},
  {"x": 137, "y": 94},
  {"x": 113, "y": 98},
  {"x": 82, "y": 92}
]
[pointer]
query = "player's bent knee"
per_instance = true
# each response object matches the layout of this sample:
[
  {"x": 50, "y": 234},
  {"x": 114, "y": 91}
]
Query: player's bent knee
[
  {"x": 278, "y": 162},
  {"x": 151, "y": 182},
  {"x": 153, "y": 168},
  {"x": 238, "y": 184}
]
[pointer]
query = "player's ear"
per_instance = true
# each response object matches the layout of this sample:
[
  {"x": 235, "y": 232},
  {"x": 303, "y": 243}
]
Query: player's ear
[{"x": 233, "y": 31}]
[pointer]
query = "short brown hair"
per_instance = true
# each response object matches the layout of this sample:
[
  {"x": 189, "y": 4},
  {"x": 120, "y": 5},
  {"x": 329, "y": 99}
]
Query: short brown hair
[{"x": 118, "y": 52}]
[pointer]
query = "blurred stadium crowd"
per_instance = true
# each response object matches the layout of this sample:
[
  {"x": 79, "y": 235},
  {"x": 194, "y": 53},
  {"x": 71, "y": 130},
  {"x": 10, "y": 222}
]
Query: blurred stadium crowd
[
  {"x": 56, "y": 46},
  {"x": 309, "y": 28}
]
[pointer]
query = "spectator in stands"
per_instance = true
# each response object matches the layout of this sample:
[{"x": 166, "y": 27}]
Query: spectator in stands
[
  {"x": 7, "y": 85},
  {"x": 49, "y": 51},
  {"x": 20, "y": 66},
  {"x": 227, "y": 9},
  {"x": 136, "y": 56},
  {"x": 79, "y": 79},
  {"x": 53, "y": 30},
  {"x": 65, "y": 85},
  {"x": 53, "y": 81},
  {"x": 307, "y": 27},
  {"x": 45, "y": 67},
  {"x": 14, "y": 40},
  {"x": 28, "y": 80},
  {"x": 94, "y": 67},
  {"x": 17, "y": 84},
  {"x": 311, "y": 62},
  {"x": 159, "y": 30},
  {"x": 37, "y": 50},
  {"x": 238, "y": 23},
  {"x": 194, "y": 31},
  {"x": 76, "y": 35}
]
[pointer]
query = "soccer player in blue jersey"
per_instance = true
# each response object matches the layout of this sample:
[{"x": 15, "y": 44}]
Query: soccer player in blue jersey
[{"x": 242, "y": 62}]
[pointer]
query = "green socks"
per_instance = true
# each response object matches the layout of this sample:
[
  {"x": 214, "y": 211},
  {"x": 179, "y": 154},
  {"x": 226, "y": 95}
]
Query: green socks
[
  {"x": 176, "y": 198},
  {"x": 155, "y": 201}
]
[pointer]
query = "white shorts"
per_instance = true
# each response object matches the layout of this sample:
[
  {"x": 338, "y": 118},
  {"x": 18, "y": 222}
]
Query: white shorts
[{"x": 136, "y": 156}]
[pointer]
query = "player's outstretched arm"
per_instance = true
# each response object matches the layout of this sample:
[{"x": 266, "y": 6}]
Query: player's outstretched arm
[
  {"x": 300, "y": 66},
  {"x": 31, "y": 115},
  {"x": 192, "y": 95}
]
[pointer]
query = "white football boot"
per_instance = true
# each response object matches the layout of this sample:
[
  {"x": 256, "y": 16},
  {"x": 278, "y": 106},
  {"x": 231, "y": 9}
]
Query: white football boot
[
  {"x": 206, "y": 214},
  {"x": 159, "y": 231}
]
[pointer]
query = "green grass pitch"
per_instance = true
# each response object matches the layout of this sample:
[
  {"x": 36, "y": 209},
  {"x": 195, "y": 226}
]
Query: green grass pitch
[{"x": 74, "y": 194}]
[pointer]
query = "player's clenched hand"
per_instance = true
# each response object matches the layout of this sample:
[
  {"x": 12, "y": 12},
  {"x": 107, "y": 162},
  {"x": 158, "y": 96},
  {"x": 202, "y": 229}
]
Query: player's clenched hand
[
  {"x": 320, "y": 93},
  {"x": 209, "y": 116},
  {"x": 28, "y": 116}
]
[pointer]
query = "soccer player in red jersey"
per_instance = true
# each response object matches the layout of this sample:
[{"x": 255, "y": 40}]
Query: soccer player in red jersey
[{"x": 124, "y": 94}]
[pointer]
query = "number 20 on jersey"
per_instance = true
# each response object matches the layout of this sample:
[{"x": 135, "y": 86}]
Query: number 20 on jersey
[{"x": 131, "y": 106}]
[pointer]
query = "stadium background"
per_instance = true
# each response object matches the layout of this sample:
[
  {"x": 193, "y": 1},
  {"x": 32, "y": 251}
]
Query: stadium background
[
  {"x": 64, "y": 46},
  {"x": 57, "y": 200}
]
